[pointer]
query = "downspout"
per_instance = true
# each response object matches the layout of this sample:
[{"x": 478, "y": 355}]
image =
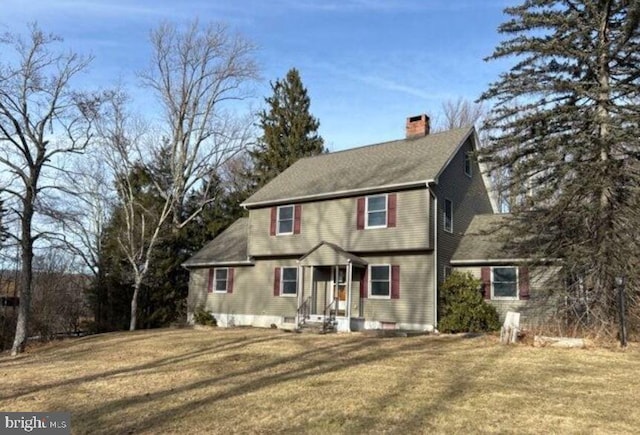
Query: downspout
[
  {"x": 349, "y": 273},
  {"x": 300, "y": 289},
  {"x": 435, "y": 255}
]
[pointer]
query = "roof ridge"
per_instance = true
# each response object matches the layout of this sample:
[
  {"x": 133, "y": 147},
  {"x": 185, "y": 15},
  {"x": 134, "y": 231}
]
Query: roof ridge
[{"x": 413, "y": 139}]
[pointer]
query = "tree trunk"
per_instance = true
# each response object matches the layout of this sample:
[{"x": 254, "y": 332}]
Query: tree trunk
[
  {"x": 134, "y": 304},
  {"x": 26, "y": 276}
]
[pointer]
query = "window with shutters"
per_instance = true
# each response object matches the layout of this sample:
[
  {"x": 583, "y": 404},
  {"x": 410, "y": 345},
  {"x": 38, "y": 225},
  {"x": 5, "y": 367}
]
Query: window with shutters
[
  {"x": 376, "y": 211},
  {"x": 285, "y": 219},
  {"x": 504, "y": 283},
  {"x": 448, "y": 216},
  {"x": 380, "y": 281},
  {"x": 221, "y": 276},
  {"x": 220, "y": 280},
  {"x": 289, "y": 281}
]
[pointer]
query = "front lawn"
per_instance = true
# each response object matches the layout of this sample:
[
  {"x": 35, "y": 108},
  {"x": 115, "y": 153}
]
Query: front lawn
[{"x": 252, "y": 380}]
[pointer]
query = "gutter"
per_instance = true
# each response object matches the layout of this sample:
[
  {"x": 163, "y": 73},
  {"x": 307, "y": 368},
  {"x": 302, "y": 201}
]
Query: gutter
[
  {"x": 336, "y": 194},
  {"x": 500, "y": 261},
  {"x": 218, "y": 263}
]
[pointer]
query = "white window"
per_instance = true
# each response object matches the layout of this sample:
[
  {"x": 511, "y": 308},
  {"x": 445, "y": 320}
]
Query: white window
[
  {"x": 468, "y": 170},
  {"x": 285, "y": 219},
  {"x": 289, "y": 281},
  {"x": 376, "y": 211},
  {"x": 380, "y": 281},
  {"x": 221, "y": 278},
  {"x": 504, "y": 283},
  {"x": 448, "y": 216}
]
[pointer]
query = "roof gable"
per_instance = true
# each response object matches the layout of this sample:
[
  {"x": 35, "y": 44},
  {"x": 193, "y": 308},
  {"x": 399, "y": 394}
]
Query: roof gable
[
  {"x": 329, "y": 254},
  {"x": 389, "y": 164}
]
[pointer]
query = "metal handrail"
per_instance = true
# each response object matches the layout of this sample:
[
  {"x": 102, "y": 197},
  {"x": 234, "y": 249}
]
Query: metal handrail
[
  {"x": 303, "y": 311},
  {"x": 330, "y": 316}
]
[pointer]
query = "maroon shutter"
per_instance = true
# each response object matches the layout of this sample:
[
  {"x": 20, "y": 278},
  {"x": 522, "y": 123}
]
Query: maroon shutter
[
  {"x": 360, "y": 220},
  {"x": 395, "y": 282},
  {"x": 523, "y": 278},
  {"x": 485, "y": 275},
  {"x": 391, "y": 218},
  {"x": 210, "y": 284},
  {"x": 297, "y": 216},
  {"x": 364, "y": 282},
  {"x": 276, "y": 281},
  {"x": 274, "y": 217},
  {"x": 230, "y": 280}
]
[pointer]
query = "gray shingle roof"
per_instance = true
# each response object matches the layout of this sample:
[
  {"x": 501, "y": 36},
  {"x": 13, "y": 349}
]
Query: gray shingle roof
[
  {"x": 389, "y": 163},
  {"x": 230, "y": 246},
  {"x": 484, "y": 240}
]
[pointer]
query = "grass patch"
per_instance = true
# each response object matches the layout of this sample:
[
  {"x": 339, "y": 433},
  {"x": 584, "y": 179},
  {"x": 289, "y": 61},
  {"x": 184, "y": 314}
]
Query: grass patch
[{"x": 252, "y": 380}]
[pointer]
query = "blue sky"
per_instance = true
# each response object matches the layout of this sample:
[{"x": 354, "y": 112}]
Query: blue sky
[{"x": 367, "y": 64}]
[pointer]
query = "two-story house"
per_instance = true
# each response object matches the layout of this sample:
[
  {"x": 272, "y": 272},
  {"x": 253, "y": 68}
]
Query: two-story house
[{"x": 363, "y": 236}]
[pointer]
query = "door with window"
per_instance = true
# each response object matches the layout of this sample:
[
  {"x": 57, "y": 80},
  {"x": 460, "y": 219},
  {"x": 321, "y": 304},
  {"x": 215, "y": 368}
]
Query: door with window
[{"x": 340, "y": 288}]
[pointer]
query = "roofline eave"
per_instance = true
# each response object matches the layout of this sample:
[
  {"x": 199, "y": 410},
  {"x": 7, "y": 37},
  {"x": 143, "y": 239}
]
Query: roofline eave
[
  {"x": 487, "y": 261},
  {"x": 218, "y": 263},
  {"x": 337, "y": 194}
]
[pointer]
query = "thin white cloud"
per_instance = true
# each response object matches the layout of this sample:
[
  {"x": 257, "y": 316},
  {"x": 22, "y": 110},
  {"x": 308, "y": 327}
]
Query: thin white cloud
[{"x": 382, "y": 81}]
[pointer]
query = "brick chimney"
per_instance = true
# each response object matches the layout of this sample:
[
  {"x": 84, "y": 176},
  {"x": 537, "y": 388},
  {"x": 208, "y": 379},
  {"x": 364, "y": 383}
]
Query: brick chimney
[{"x": 417, "y": 126}]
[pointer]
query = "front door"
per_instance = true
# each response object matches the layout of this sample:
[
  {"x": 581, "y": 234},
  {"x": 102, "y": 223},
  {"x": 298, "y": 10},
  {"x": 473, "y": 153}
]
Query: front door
[{"x": 340, "y": 288}]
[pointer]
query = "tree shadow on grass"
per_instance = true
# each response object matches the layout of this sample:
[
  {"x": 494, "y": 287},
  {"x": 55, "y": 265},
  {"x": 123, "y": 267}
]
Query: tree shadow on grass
[
  {"x": 53, "y": 349},
  {"x": 230, "y": 344},
  {"x": 417, "y": 416},
  {"x": 321, "y": 360}
]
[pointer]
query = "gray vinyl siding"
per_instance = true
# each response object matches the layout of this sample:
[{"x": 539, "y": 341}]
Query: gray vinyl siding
[
  {"x": 335, "y": 220},
  {"x": 469, "y": 197},
  {"x": 540, "y": 305},
  {"x": 253, "y": 291},
  {"x": 415, "y": 305}
]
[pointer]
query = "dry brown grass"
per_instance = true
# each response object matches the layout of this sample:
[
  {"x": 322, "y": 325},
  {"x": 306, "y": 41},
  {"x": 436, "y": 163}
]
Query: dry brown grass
[{"x": 267, "y": 381}]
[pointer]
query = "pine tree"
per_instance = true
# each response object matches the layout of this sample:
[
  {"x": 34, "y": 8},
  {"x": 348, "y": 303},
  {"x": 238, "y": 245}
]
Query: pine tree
[
  {"x": 565, "y": 126},
  {"x": 289, "y": 131}
]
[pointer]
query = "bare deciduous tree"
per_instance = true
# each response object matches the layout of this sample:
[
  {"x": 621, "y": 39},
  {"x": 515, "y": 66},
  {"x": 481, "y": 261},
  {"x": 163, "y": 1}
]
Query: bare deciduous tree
[
  {"x": 140, "y": 219},
  {"x": 194, "y": 72},
  {"x": 461, "y": 113},
  {"x": 42, "y": 119},
  {"x": 87, "y": 209}
]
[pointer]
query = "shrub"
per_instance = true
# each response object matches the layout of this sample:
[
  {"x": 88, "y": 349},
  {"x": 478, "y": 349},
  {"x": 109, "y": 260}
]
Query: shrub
[
  {"x": 203, "y": 317},
  {"x": 463, "y": 307}
]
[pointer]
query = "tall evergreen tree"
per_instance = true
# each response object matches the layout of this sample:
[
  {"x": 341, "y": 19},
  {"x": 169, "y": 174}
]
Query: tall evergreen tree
[
  {"x": 565, "y": 126},
  {"x": 289, "y": 131}
]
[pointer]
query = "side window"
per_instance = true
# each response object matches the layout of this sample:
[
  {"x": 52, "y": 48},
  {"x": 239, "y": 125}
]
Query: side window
[
  {"x": 468, "y": 169},
  {"x": 221, "y": 276},
  {"x": 447, "y": 272},
  {"x": 504, "y": 283},
  {"x": 448, "y": 216},
  {"x": 285, "y": 219}
]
